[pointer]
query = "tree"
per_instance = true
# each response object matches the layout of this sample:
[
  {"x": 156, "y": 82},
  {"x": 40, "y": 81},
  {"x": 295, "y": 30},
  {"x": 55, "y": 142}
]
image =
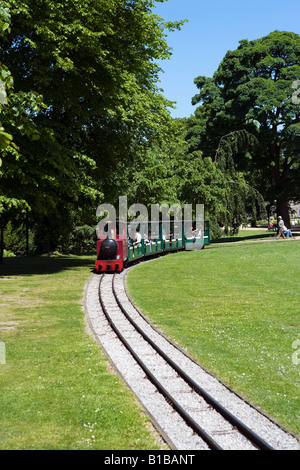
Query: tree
[
  {"x": 37, "y": 171},
  {"x": 94, "y": 63},
  {"x": 92, "y": 69},
  {"x": 209, "y": 176},
  {"x": 252, "y": 90}
]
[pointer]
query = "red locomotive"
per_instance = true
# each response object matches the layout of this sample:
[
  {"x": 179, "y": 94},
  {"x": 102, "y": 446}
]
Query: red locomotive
[{"x": 112, "y": 248}]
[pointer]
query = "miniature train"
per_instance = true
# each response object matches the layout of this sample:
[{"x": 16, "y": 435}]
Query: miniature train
[{"x": 116, "y": 249}]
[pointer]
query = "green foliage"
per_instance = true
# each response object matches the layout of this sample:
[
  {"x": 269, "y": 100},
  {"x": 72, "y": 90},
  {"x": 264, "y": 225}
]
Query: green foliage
[
  {"x": 202, "y": 182},
  {"x": 82, "y": 239},
  {"x": 252, "y": 91},
  {"x": 94, "y": 63},
  {"x": 210, "y": 177},
  {"x": 62, "y": 233},
  {"x": 15, "y": 240},
  {"x": 82, "y": 100}
]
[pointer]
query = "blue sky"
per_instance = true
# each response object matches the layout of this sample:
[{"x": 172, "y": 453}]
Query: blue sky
[{"x": 214, "y": 27}]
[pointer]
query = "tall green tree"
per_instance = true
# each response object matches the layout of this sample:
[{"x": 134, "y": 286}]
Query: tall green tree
[
  {"x": 253, "y": 90},
  {"x": 93, "y": 68},
  {"x": 210, "y": 176},
  {"x": 16, "y": 111},
  {"x": 94, "y": 63}
]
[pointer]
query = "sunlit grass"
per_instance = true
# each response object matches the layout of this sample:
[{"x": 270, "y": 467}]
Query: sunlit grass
[
  {"x": 237, "y": 311},
  {"x": 57, "y": 388}
]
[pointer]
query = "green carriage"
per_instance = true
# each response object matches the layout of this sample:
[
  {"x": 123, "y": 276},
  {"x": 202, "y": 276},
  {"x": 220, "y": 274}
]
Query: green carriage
[{"x": 179, "y": 236}]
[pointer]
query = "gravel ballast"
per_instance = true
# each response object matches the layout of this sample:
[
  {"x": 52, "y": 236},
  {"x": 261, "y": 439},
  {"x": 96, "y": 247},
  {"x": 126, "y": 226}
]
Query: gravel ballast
[{"x": 176, "y": 433}]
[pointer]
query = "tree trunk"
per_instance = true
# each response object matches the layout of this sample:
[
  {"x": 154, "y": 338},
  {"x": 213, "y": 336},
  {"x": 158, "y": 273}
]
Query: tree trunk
[
  {"x": 1, "y": 239},
  {"x": 27, "y": 233},
  {"x": 279, "y": 182},
  {"x": 283, "y": 210}
]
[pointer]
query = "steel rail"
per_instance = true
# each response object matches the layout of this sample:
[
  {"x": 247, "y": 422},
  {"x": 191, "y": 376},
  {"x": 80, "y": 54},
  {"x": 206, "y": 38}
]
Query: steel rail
[
  {"x": 187, "y": 418},
  {"x": 245, "y": 430}
]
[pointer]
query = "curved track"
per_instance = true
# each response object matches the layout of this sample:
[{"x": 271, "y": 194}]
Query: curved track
[{"x": 188, "y": 406}]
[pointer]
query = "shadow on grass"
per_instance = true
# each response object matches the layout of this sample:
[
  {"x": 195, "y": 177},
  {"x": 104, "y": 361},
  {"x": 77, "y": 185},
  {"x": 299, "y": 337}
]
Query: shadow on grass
[
  {"x": 237, "y": 238},
  {"x": 28, "y": 266},
  {"x": 253, "y": 236}
]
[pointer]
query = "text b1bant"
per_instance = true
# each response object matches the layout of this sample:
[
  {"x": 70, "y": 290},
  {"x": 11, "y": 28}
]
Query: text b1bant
[{"x": 133, "y": 460}]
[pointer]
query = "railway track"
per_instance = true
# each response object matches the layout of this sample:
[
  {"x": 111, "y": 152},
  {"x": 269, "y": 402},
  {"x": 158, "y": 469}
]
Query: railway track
[{"x": 189, "y": 407}]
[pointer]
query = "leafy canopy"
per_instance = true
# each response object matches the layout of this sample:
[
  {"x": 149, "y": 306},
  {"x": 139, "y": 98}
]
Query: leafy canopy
[
  {"x": 252, "y": 90},
  {"x": 82, "y": 78}
]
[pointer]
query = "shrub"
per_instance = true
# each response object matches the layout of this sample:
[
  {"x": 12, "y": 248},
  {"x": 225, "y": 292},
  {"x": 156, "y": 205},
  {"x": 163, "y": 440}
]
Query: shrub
[{"x": 82, "y": 239}]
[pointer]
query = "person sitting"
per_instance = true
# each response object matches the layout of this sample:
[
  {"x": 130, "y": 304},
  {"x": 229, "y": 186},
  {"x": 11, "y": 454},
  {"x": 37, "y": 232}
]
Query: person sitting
[
  {"x": 137, "y": 238},
  {"x": 287, "y": 232},
  {"x": 196, "y": 233}
]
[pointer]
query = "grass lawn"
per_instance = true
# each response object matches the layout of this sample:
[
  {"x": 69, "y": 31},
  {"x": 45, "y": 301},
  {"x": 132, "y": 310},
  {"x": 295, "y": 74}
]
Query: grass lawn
[
  {"x": 57, "y": 389},
  {"x": 237, "y": 311}
]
